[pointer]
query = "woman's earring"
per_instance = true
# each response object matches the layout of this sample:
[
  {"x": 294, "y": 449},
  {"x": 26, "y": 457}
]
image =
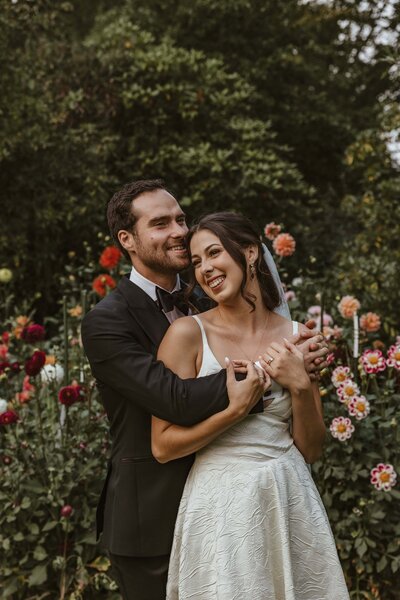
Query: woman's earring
[{"x": 252, "y": 271}]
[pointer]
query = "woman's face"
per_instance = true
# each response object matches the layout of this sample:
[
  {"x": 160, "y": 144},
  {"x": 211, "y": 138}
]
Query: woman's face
[{"x": 215, "y": 270}]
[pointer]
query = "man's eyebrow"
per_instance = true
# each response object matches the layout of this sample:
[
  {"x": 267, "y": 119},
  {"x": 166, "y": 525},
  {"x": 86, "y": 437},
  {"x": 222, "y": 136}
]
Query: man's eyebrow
[{"x": 165, "y": 217}]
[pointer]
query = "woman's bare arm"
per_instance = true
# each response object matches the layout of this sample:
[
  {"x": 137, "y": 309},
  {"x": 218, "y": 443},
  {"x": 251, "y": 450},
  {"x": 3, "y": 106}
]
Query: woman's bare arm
[
  {"x": 180, "y": 350},
  {"x": 287, "y": 368}
]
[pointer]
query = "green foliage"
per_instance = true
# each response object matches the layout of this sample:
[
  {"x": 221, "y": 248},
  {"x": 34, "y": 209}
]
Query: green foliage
[
  {"x": 54, "y": 456},
  {"x": 250, "y": 105}
]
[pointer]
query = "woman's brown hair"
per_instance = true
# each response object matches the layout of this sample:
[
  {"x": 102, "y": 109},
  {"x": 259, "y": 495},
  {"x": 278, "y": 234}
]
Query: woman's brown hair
[{"x": 236, "y": 233}]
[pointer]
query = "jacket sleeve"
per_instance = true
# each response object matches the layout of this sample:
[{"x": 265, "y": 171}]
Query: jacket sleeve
[{"x": 120, "y": 362}]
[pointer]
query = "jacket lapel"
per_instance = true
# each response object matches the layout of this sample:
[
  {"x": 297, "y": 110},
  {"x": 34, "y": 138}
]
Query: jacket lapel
[{"x": 145, "y": 312}]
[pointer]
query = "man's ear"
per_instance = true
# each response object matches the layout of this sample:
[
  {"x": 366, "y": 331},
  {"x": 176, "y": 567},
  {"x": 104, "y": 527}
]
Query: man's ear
[
  {"x": 127, "y": 240},
  {"x": 251, "y": 254}
]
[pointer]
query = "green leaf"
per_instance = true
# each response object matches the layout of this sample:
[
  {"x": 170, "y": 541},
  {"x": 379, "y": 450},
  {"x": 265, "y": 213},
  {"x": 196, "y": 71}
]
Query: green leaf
[
  {"x": 34, "y": 528},
  {"x": 26, "y": 502},
  {"x": 39, "y": 553},
  {"x": 49, "y": 525},
  {"x": 38, "y": 575},
  {"x": 381, "y": 564}
]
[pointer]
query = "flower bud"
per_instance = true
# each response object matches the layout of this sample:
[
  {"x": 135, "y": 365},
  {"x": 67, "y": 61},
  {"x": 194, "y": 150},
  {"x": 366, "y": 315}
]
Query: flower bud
[{"x": 66, "y": 511}]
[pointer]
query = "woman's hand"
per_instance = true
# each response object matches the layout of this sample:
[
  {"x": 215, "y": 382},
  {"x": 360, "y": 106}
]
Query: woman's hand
[{"x": 285, "y": 364}]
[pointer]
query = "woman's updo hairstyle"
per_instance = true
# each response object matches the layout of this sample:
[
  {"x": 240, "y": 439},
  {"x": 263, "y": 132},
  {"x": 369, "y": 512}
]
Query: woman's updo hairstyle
[{"x": 236, "y": 233}]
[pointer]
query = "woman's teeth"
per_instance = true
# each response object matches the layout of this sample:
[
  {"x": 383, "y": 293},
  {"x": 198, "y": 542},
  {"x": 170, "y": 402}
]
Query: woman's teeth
[{"x": 216, "y": 282}]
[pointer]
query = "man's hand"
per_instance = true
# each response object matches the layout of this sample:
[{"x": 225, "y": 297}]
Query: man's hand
[
  {"x": 244, "y": 395},
  {"x": 314, "y": 348}
]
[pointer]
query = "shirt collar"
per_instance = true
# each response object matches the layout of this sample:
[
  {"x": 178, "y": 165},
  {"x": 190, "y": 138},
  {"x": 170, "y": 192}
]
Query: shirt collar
[{"x": 149, "y": 286}]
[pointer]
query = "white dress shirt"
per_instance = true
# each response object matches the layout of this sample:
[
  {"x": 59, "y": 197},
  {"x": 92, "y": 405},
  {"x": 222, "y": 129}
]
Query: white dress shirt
[{"x": 150, "y": 288}]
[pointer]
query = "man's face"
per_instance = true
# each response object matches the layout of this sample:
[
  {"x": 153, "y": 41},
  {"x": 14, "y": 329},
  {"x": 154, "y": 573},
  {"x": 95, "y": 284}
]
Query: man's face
[{"x": 158, "y": 241}]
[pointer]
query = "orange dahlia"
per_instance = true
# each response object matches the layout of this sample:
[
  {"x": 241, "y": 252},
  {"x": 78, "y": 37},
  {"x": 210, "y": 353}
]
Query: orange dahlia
[
  {"x": 348, "y": 306},
  {"x": 284, "y": 244},
  {"x": 370, "y": 322}
]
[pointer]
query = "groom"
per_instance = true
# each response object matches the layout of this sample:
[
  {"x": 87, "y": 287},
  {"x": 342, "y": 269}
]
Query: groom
[{"x": 140, "y": 498}]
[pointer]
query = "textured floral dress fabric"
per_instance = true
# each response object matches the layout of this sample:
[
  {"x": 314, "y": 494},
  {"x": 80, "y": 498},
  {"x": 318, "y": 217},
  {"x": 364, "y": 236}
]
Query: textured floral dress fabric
[{"x": 251, "y": 524}]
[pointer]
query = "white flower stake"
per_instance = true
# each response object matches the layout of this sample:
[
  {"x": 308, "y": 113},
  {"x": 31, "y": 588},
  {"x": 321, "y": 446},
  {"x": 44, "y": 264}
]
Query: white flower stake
[
  {"x": 3, "y": 406},
  {"x": 356, "y": 335}
]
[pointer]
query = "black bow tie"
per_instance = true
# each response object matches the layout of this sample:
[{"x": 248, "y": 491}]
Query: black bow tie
[{"x": 168, "y": 301}]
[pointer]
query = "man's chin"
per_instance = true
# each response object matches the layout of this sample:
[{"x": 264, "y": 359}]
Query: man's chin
[{"x": 182, "y": 265}]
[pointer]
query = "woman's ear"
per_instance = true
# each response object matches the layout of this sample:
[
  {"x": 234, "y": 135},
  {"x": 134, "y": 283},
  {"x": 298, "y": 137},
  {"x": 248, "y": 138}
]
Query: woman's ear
[{"x": 251, "y": 254}]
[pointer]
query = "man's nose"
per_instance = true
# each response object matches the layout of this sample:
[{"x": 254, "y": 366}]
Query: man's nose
[{"x": 179, "y": 229}]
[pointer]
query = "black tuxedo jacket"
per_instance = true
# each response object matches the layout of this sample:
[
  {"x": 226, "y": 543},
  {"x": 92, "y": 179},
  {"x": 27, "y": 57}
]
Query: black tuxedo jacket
[{"x": 140, "y": 498}]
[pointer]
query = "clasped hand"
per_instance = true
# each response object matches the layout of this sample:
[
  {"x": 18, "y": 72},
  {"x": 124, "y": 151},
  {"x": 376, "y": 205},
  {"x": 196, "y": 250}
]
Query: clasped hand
[{"x": 284, "y": 363}]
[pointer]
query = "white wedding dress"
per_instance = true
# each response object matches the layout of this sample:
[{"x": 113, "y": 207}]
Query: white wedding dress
[{"x": 251, "y": 524}]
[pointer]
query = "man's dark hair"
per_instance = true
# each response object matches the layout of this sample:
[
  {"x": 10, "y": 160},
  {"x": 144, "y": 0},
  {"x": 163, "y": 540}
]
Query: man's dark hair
[
  {"x": 119, "y": 208},
  {"x": 236, "y": 233}
]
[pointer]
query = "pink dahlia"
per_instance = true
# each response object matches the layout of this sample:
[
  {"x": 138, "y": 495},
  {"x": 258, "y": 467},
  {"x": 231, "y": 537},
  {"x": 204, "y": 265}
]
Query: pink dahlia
[
  {"x": 290, "y": 296},
  {"x": 373, "y": 361},
  {"x": 272, "y": 230},
  {"x": 358, "y": 407},
  {"x": 340, "y": 374},
  {"x": 383, "y": 477},
  {"x": 348, "y": 306},
  {"x": 330, "y": 358},
  {"x": 393, "y": 359},
  {"x": 347, "y": 391},
  {"x": 370, "y": 322},
  {"x": 341, "y": 428},
  {"x": 284, "y": 244}
]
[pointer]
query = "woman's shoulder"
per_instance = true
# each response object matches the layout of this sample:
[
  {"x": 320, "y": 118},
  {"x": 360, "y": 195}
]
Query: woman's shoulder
[{"x": 184, "y": 328}]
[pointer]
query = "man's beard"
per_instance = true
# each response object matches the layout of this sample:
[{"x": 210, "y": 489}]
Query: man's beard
[{"x": 163, "y": 265}]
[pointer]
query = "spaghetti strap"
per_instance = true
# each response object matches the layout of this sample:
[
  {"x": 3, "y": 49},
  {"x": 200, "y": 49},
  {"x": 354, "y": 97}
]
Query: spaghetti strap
[
  {"x": 203, "y": 332},
  {"x": 209, "y": 363}
]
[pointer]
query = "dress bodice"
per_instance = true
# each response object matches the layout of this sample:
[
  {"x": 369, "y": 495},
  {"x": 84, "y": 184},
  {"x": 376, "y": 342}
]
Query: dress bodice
[{"x": 261, "y": 436}]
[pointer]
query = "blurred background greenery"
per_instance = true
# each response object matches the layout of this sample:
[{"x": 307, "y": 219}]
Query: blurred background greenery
[{"x": 281, "y": 109}]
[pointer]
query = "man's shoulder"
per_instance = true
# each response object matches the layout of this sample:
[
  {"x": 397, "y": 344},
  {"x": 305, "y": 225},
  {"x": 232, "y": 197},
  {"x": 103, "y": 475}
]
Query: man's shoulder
[{"x": 114, "y": 306}]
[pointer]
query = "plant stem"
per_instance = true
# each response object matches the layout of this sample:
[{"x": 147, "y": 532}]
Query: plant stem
[
  {"x": 65, "y": 319},
  {"x": 64, "y": 566}
]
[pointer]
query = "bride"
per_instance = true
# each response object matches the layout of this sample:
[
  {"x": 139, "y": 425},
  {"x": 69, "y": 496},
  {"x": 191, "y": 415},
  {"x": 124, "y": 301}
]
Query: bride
[{"x": 251, "y": 524}]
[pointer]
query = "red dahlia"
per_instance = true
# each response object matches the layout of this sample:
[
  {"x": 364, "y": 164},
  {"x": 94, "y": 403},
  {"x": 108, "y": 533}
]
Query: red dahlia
[
  {"x": 68, "y": 395},
  {"x": 8, "y": 417},
  {"x": 110, "y": 257},
  {"x": 33, "y": 333},
  {"x": 35, "y": 363},
  {"x": 102, "y": 284}
]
